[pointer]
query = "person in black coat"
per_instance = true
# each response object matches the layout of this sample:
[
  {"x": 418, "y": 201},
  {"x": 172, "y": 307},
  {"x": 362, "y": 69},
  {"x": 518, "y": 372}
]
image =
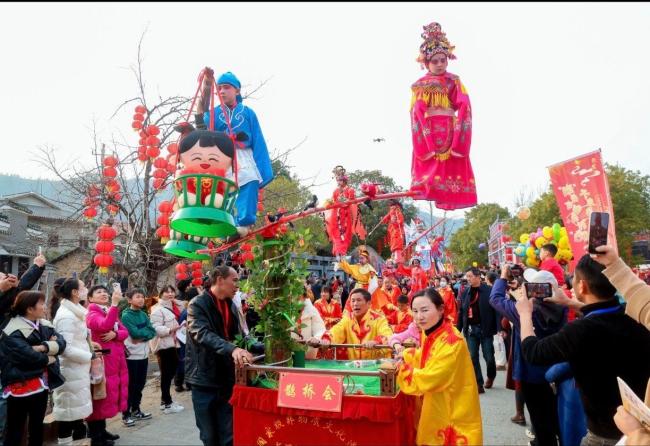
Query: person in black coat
[
  {"x": 10, "y": 289},
  {"x": 29, "y": 366},
  {"x": 213, "y": 322},
  {"x": 478, "y": 322}
]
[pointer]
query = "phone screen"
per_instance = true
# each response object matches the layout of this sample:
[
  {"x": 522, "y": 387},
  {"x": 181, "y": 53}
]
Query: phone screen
[
  {"x": 538, "y": 290},
  {"x": 598, "y": 227},
  {"x": 116, "y": 287}
]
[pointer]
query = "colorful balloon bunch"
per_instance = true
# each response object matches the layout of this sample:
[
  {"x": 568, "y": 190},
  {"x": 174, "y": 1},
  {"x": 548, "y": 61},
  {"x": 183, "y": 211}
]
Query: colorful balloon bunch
[{"x": 530, "y": 244}]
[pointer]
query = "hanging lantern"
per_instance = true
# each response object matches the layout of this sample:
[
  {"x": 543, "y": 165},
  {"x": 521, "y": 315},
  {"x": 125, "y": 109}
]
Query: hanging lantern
[
  {"x": 104, "y": 246},
  {"x": 136, "y": 125},
  {"x": 165, "y": 206},
  {"x": 160, "y": 163},
  {"x": 110, "y": 161},
  {"x": 163, "y": 220},
  {"x": 113, "y": 209},
  {"x": 153, "y": 130},
  {"x": 104, "y": 261},
  {"x": 159, "y": 173},
  {"x": 90, "y": 213},
  {"x": 153, "y": 141},
  {"x": 91, "y": 202},
  {"x": 172, "y": 148},
  {"x": 163, "y": 233},
  {"x": 112, "y": 185},
  {"x": 110, "y": 172},
  {"x": 158, "y": 183},
  {"x": 115, "y": 196},
  {"x": 138, "y": 117},
  {"x": 142, "y": 157},
  {"x": 140, "y": 109},
  {"x": 93, "y": 191},
  {"x": 153, "y": 151},
  {"x": 106, "y": 232},
  {"x": 142, "y": 134}
]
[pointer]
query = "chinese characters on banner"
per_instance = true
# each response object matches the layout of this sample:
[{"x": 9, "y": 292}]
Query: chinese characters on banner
[
  {"x": 581, "y": 187},
  {"x": 310, "y": 391}
]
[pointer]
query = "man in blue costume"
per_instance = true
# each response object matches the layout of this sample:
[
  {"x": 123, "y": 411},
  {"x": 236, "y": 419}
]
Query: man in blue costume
[{"x": 253, "y": 160}]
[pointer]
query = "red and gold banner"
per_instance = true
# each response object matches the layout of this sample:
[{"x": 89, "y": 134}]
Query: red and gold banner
[
  {"x": 362, "y": 421},
  {"x": 310, "y": 391},
  {"x": 581, "y": 187}
]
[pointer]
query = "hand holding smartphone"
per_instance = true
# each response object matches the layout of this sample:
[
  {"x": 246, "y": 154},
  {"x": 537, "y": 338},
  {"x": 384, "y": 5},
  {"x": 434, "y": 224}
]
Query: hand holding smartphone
[
  {"x": 538, "y": 290},
  {"x": 598, "y": 228}
]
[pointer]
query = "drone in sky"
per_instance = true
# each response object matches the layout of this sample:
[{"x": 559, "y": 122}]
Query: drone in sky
[{"x": 379, "y": 140}]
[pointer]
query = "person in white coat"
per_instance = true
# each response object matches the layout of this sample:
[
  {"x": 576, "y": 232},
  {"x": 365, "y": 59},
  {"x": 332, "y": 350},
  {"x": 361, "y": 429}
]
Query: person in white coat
[
  {"x": 72, "y": 401},
  {"x": 164, "y": 318},
  {"x": 314, "y": 326}
]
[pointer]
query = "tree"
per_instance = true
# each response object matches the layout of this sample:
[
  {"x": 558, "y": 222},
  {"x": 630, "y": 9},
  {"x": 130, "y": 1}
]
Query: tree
[
  {"x": 630, "y": 191},
  {"x": 464, "y": 243},
  {"x": 371, "y": 217}
]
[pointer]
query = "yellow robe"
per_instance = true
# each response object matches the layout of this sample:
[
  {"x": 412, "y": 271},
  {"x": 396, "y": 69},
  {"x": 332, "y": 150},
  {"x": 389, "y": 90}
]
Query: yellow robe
[
  {"x": 360, "y": 273},
  {"x": 373, "y": 327},
  {"x": 451, "y": 413}
]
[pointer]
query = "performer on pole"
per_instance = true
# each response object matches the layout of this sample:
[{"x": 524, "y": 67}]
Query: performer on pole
[
  {"x": 341, "y": 223},
  {"x": 395, "y": 231},
  {"x": 253, "y": 160},
  {"x": 441, "y": 126}
]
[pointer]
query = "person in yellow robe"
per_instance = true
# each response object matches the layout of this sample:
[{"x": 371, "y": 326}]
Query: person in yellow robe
[
  {"x": 441, "y": 372},
  {"x": 362, "y": 272},
  {"x": 363, "y": 327}
]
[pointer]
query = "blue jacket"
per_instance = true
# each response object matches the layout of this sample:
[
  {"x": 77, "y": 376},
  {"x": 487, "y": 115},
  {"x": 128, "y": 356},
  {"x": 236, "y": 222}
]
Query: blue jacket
[
  {"x": 522, "y": 370},
  {"x": 571, "y": 414},
  {"x": 243, "y": 119}
]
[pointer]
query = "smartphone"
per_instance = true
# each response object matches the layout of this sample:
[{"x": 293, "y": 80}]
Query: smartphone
[
  {"x": 40, "y": 250},
  {"x": 538, "y": 290},
  {"x": 598, "y": 227},
  {"x": 117, "y": 288}
]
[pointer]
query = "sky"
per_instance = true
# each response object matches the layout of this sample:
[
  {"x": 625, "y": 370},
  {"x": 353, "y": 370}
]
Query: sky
[{"x": 547, "y": 81}]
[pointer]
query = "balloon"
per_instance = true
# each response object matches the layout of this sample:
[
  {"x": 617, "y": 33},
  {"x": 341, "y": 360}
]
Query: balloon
[
  {"x": 539, "y": 242},
  {"x": 520, "y": 250},
  {"x": 557, "y": 232},
  {"x": 547, "y": 232},
  {"x": 530, "y": 252},
  {"x": 563, "y": 243},
  {"x": 523, "y": 238},
  {"x": 563, "y": 232},
  {"x": 474, "y": 264},
  {"x": 523, "y": 213},
  {"x": 482, "y": 246}
]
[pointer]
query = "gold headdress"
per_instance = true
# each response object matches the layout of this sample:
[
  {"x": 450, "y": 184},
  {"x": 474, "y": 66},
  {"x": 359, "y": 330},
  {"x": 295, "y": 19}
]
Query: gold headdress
[
  {"x": 435, "y": 42},
  {"x": 339, "y": 174},
  {"x": 364, "y": 252}
]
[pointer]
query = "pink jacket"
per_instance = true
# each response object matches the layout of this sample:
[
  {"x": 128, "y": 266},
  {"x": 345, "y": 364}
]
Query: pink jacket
[
  {"x": 412, "y": 331},
  {"x": 115, "y": 370}
]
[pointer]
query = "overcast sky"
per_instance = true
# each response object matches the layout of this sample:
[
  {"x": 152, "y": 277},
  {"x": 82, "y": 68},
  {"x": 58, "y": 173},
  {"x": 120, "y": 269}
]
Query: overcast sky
[{"x": 547, "y": 81}]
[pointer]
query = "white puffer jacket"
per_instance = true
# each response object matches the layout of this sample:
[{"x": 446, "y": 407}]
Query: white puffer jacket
[
  {"x": 72, "y": 401},
  {"x": 164, "y": 321}
]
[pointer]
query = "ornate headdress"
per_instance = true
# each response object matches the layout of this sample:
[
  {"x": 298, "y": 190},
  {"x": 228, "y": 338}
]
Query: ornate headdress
[
  {"x": 364, "y": 252},
  {"x": 435, "y": 42},
  {"x": 339, "y": 174}
]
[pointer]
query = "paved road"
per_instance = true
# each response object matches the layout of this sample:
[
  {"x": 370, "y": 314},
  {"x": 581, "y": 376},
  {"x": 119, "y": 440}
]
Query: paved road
[{"x": 497, "y": 406}]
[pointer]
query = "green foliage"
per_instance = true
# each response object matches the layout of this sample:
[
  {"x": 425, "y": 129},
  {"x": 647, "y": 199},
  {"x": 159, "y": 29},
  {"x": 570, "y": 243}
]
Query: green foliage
[
  {"x": 275, "y": 286},
  {"x": 630, "y": 192},
  {"x": 464, "y": 243},
  {"x": 369, "y": 217}
]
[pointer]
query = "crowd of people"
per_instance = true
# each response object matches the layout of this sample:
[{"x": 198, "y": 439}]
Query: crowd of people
[{"x": 564, "y": 352}]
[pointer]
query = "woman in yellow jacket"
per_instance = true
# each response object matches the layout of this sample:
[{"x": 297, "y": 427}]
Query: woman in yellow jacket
[{"x": 441, "y": 372}]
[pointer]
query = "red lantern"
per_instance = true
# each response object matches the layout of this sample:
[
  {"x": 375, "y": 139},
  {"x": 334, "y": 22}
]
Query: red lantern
[
  {"x": 171, "y": 168},
  {"x": 160, "y": 163},
  {"x": 91, "y": 202},
  {"x": 93, "y": 191},
  {"x": 110, "y": 161},
  {"x": 172, "y": 148},
  {"x": 196, "y": 266},
  {"x": 163, "y": 232},
  {"x": 197, "y": 281},
  {"x": 165, "y": 207},
  {"x": 153, "y": 141},
  {"x": 143, "y": 134},
  {"x": 163, "y": 219},
  {"x": 110, "y": 172},
  {"x": 260, "y": 207},
  {"x": 140, "y": 109},
  {"x": 137, "y": 125},
  {"x": 142, "y": 157},
  {"x": 104, "y": 246},
  {"x": 106, "y": 232},
  {"x": 138, "y": 117},
  {"x": 197, "y": 274},
  {"x": 104, "y": 261},
  {"x": 158, "y": 183},
  {"x": 115, "y": 196},
  {"x": 90, "y": 213},
  {"x": 113, "y": 209},
  {"x": 160, "y": 173},
  {"x": 143, "y": 141},
  {"x": 181, "y": 268},
  {"x": 153, "y": 130},
  {"x": 153, "y": 152},
  {"x": 181, "y": 276}
]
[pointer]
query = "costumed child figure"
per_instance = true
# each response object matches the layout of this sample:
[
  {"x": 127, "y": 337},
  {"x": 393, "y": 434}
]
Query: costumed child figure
[
  {"x": 395, "y": 231},
  {"x": 441, "y": 126},
  {"x": 254, "y": 170},
  {"x": 341, "y": 223}
]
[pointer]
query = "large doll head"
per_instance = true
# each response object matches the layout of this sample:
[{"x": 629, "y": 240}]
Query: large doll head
[{"x": 204, "y": 151}]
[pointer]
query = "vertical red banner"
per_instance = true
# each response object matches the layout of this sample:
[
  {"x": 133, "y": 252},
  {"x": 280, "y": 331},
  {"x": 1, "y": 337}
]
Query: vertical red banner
[{"x": 581, "y": 187}]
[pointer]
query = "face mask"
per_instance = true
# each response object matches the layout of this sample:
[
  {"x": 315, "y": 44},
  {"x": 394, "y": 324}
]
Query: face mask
[{"x": 443, "y": 284}]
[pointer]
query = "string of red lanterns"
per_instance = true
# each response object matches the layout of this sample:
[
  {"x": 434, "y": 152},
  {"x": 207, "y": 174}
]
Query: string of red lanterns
[{"x": 104, "y": 247}]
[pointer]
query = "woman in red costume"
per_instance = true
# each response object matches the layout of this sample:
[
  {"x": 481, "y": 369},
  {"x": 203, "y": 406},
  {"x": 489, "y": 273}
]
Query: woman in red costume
[
  {"x": 441, "y": 126},
  {"x": 395, "y": 231}
]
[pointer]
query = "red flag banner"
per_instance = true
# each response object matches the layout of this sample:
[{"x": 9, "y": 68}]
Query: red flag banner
[{"x": 581, "y": 187}]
